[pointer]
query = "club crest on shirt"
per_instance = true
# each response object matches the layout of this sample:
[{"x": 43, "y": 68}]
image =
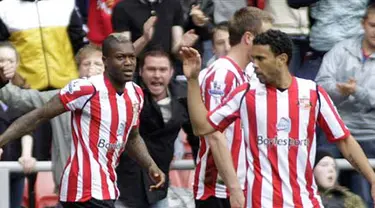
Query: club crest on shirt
[
  {"x": 217, "y": 89},
  {"x": 284, "y": 125},
  {"x": 304, "y": 103}
]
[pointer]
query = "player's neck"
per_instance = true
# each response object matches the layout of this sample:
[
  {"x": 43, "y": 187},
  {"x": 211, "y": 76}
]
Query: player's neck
[
  {"x": 284, "y": 81},
  {"x": 119, "y": 87},
  {"x": 240, "y": 56}
]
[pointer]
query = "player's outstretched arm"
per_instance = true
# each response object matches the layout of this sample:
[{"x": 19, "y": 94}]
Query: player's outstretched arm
[
  {"x": 351, "y": 150},
  {"x": 28, "y": 122},
  {"x": 137, "y": 150},
  {"x": 197, "y": 111}
]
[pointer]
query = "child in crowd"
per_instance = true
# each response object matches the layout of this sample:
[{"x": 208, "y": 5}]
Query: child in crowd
[
  {"x": 333, "y": 195},
  {"x": 17, "y": 150}
]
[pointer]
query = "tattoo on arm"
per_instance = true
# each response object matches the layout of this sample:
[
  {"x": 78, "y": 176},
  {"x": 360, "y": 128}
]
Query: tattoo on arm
[
  {"x": 22, "y": 126},
  {"x": 354, "y": 163},
  {"x": 28, "y": 122},
  {"x": 137, "y": 150}
]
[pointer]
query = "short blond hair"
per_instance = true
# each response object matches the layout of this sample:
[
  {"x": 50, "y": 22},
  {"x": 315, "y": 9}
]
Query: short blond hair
[
  {"x": 85, "y": 51},
  {"x": 246, "y": 19}
]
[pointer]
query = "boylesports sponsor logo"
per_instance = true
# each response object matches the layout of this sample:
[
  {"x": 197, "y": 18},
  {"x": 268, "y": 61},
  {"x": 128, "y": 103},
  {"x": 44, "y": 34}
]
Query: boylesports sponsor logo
[
  {"x": 110, "y": 146},
  {"x": 281, "y": 142}
]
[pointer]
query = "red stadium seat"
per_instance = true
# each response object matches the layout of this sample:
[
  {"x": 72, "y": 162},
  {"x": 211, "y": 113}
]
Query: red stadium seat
[
  {"x": 45, "y": 191},
  {"x": 182, "y": 178},
  {"x": 188, "y": 153},
  {"x": 174, "y": 178},
  {"x": 25, "y": 197}
]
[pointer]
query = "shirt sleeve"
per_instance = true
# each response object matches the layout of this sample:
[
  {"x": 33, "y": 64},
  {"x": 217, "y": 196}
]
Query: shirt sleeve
[
  {"x": 329, "y": 119},
  {"x": 139, "y": 106},
  {"x": 229, "y": 110},
  {"x": 216, "y": 85},
  {"x": 76, "y": 94}
]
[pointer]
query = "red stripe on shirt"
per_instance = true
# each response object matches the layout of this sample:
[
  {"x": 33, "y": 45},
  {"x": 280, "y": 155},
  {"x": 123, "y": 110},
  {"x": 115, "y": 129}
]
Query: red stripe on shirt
[
  {"x": 73, "y": 173},
  {"x": 113, "y": 138},
  {"x": 324, "y": 124},
  {"x": 294, "y": 135},
  {"x": 86, "y": 177},
  {"x": 202, "y": 142},
  {"x": 202, "y": 150},
  {"x": 94, "y": 135},
  {"x": 272, "y": 148},
  {"x": 310, "y": 136},
  {"x": 129, "y": 114},
  {"x": 257, "y": 183},
  {"x": 211, "y": 171}
]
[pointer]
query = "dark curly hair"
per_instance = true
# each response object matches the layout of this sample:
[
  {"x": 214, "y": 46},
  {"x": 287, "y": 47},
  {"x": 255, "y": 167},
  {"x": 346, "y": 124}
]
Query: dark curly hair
[{"x": 278, "y": 41}]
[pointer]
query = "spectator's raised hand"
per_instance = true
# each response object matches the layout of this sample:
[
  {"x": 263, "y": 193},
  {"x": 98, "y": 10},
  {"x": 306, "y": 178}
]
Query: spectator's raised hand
[
  {"x": 189, "y": 39},
  {"x": 347, "y": 88},
  {"x": 7, "y": 70},
  {"x": 198, "y": 17},
  {"x": 27, "y": 163},
  {"x": 149, "y": 27},
  {"x": 192, "y": 62}
]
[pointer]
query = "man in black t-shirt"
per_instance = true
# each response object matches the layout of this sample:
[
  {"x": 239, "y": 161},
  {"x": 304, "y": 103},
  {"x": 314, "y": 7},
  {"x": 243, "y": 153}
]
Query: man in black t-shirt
[{"x": 129, "y": 16}]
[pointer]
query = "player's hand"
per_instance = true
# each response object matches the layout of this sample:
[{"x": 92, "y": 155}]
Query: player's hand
[
  {"x": 192, "y": 62},
  {"x": 149, "y": 28},
  {"x": 1, "y": 152},
  {"x": 237, "y": 198},
  {"x": 189, "y": 39},
  {"x": 27, "y": 163},
  {"x": 157, "y": 176},
  {"x": 7, "y": 70}
]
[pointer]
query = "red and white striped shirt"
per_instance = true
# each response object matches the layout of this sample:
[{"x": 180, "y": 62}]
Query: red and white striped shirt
[
  {"x": 217, "y": 81},
  {"x": 101, "y": 122},
  {"x": 279, "y": 131}
]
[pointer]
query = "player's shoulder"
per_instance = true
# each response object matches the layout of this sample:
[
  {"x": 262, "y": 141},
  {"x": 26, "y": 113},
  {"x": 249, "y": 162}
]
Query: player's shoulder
[
  {"x": 219, "y": 70},
  {"x": 306, "y": 83},
  {"x": 133, "y": 87},
  {"x": 224, "y": 64},
  {"x": 82, "y": 84}
]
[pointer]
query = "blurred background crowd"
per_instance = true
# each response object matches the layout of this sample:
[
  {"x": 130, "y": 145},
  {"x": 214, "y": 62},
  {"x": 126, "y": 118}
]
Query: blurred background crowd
[{"x": 52, "y": 42}]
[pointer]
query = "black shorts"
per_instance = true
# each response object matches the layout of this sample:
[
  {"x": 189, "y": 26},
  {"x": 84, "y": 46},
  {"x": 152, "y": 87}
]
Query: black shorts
[
  {"x": 212, "y": 202},
  {"x": 90, "y": 203}
]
